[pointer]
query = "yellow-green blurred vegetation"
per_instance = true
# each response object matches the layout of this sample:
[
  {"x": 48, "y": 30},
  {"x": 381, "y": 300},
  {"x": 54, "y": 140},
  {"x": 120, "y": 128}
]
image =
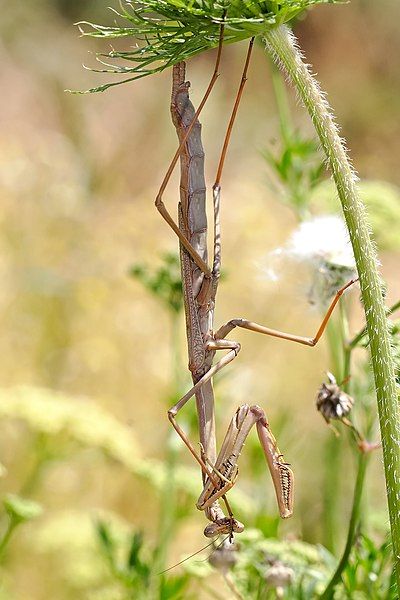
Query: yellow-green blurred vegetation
[{"x": 89, "y": 357}]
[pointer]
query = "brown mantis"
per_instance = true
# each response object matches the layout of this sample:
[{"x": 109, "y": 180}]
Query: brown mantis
[{"x": 200, "y": 283}]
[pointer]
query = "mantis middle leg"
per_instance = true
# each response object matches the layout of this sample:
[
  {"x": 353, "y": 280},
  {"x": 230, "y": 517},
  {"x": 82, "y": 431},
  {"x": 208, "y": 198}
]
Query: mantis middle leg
[
  {"x": 173, "y": 411},
  {"x": 306, "y": 341},
  {"x": 220, "y": 523}
]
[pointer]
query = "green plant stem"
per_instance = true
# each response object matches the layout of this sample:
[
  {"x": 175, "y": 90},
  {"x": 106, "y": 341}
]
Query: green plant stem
[
  {"x": 7, "y": 536},
  {"x": 347, "y": 350},
  {"x": 333, "y": 451},
  {"x": 167, "y": 517},
  {"x": 283, "y": 48},
  {"x": 354, "y": 520},
  {"x": 346, "y": 367},
  {"x": 231, "y": 586},
  {"x": 41, "y": 457},
  {"x": 335, "y": 343},
  {"x": 331, "y": 482}
]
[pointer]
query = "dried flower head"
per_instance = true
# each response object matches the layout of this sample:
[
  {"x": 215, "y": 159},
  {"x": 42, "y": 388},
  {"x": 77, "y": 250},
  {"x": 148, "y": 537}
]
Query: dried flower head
[
  {"x": 279, "y": 576},
  {"x": 323, "y": 238},
  {"x": 323, "y": 244},
  {"x": 332, "y": 402},
  {"x": 224, "y": 556}
]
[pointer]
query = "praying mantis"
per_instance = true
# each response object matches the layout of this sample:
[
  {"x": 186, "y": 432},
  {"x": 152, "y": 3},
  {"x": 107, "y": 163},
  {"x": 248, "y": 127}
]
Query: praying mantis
[{"x": 200, "y": 284}]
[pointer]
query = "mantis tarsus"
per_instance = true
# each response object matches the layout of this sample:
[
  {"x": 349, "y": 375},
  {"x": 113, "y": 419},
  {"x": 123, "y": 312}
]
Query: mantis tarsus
[{"x": 200, "y": 283}]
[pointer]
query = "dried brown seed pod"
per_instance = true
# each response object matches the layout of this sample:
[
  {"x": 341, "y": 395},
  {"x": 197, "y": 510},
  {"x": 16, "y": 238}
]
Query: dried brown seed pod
[
  {"x": 332, "y": 402},
  {"x": 279, "y": 576}
]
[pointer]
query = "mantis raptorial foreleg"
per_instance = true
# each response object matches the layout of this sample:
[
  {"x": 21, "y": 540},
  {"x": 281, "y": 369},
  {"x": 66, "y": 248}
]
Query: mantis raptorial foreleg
[
  {"x": 234, "y": 348},
  {"x": 222, "y": 476},
  {"x": 306, "y": 341},
  {"x": 226, "y": 465}
]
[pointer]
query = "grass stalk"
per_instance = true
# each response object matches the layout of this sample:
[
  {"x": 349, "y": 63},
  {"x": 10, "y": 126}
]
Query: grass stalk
[{"x": 283, "y": 47}]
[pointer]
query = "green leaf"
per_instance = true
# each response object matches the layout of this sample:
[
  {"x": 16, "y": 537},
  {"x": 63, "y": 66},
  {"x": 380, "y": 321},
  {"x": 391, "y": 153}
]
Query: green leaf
[
  {"x": 134, "y": 550},
  {"x": 173, "y": 588},
  {"x": 104, "y": 536}
]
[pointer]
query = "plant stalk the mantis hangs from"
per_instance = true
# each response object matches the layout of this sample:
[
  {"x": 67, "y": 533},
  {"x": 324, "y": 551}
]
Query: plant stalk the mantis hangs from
[{"x": 281, "y": 44}]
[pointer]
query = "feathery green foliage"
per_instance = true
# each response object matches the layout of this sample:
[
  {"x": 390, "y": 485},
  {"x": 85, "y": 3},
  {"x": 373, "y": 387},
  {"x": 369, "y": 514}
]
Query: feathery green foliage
[{"x": 170, "y": 31}]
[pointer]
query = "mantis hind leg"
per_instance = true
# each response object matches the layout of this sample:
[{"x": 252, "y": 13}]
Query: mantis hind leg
[
  {"x": 217, "y": 184},
  {"x": 178, "y": 82}
]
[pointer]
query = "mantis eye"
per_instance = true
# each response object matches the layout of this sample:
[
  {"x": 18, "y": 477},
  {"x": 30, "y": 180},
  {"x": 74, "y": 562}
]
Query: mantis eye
[{"x": 223, "y": 526}]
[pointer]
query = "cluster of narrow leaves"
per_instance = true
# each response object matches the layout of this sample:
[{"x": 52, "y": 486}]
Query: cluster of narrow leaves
[
  {"x": 369, "y": 572},
  {"x": 267, "y": 568},
  {"x": 169, "y": 31},
  {"x": 132, "y": 566},
  {"x": 299, "y": 168}
]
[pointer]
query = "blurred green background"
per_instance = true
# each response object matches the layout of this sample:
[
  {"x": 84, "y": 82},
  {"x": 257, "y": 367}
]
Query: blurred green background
[{"x": 78, "y": 176}]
